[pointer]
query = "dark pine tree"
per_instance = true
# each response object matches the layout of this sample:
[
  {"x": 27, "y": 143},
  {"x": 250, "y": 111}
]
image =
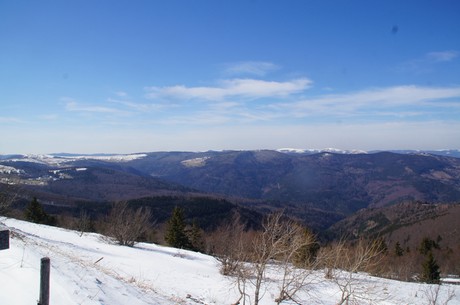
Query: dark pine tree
[
  {"x": 35, "y": 213},
  {"x": 398, "y": 250},
  {"x": 430, "y": 270},
  {"x": 196, "y": 237},
  {"x": 427, "y": 245},
  {"x": 176, "y": 235}
]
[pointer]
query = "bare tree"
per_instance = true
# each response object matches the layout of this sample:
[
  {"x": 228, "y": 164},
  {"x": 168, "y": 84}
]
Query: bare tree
[
  {"x": 243, "y": 273},
  {"x": 276, "y": 248},
  {"x": 83, "y": 223},
  {"x": 226, "y": 243},
  {"x": 268, "y": 245},
  {"x": 125, "y": 225},
  {"x": 296, "y": 263},
  {"x": 434, "y": 295},
  {"x": 342, "y": 264}
]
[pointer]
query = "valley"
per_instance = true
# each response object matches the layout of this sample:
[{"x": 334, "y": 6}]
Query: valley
[{"x": 318, "y": 188}]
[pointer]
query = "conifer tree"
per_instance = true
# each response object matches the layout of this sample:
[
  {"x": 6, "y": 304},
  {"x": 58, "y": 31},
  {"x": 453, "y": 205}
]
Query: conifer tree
[
  {"x": 398, "y": 250},
  {"x": 430, "y": 270},
  {"x": 35, "y": 213},
  {"x": 196, "y": 237},
  {"x": 176, "y": 235},
  {"x": 427, "y": 245}
]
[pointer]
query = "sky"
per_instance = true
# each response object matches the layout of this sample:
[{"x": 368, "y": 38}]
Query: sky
[{"x": 138, "y": 76}]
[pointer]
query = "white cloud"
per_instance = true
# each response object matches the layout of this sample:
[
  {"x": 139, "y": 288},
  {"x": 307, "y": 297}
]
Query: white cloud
[
  {"x": 48, "y": 117},
  {"x": 442, "y": 56},
  {"x": 141, "y": 107},
  {"x": 74, "y": 106},
  {"x": 426, "y": 63},
  {"x": 233, "y": 88},
  {"x": 371, "y": 101},
  {"x": 121, "y": 94},
  {"x": 10, "y": 120},
  {"x": 258, "y": 68}
]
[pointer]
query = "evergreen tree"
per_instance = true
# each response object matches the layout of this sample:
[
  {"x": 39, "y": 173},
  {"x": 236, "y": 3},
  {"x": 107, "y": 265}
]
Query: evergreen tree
[
  {"x": 176, "y": 235},
  {"x": 35, "y": 213},
  {"x": 196, "y": 237},
  {"x": 430, "y": 270},
  {"x": 427, "y": 245},
  {"x": 398, "y": 250}
]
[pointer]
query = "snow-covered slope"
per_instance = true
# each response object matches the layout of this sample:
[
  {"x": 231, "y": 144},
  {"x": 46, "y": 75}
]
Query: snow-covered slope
[
  {"x": 317, "y": 151},
  {"x": 88, "y": 269},
  {"x": 59, "y": 159}
]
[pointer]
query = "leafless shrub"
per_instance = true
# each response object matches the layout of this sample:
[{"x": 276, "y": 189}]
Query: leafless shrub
[
  {"x": 83, "y": 223},
  {"x": 294, "y": 262},
  {"x": 277, "y": 246},
  {"x": 125, "y": 226},
  {"x": 227, "y": 245},
  {"x": 435, "y": 297},
  {"x": 342, "y": 264}
]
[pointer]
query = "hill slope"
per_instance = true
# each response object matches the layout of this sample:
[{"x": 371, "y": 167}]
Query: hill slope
[
  {"x": 339, "y": 182},
  {"x": 407, "y": 223},
  {"x": 319, "y": 189},
  {"x": 88, "y": 270}
]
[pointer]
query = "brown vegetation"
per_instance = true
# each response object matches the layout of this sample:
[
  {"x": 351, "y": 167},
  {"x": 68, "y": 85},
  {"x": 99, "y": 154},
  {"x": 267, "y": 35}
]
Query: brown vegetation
[{"x": 125, "y": 225}]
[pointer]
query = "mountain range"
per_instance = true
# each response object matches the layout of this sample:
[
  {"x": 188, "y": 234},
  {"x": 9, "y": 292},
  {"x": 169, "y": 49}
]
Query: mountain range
[{"x": 319, "y": 187}]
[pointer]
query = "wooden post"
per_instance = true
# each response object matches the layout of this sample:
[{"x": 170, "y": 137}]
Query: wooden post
[
  {"x": 4, "y": 238},
  {"x": 44, "y": 281}
]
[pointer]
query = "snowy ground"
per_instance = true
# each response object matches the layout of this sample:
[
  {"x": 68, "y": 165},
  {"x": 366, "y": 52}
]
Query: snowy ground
[{"x": 88, "y": 270}]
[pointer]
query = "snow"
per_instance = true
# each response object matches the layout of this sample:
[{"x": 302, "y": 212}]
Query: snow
[
  {"x": 9, "y": 170},
  {"x": 57, "y": 160},
  {"x": 316, "y": 151},
  {"x": 112, "y": 158},
  {"x": 87, "y": 269},
  {"x": 196, "y": 162}
]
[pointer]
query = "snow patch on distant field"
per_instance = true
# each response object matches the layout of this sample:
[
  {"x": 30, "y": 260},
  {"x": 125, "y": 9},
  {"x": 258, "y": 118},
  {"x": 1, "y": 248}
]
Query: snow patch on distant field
[
  {"x": 113, "y": 158},
  {"x": 10, "y": 170},
  {"x": 57, "y": 160},
  {"x": 196, "y": 162},
  {"x": 317, "y": 151}
]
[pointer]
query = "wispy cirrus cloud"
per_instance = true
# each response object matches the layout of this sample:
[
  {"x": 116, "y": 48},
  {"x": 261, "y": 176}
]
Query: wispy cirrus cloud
[
  {"x": 10, "y": 120},
  {"x": 382, "y": 104},
  {"x": 210, "y": 116},
  {"x": 427, "y": 62},
  {"x": 413, "y": 100},
  {"x": 121, "y": 94},
  {"x": 442, "y": 56},
  {"x": 141, "y": 107},
  {"x": 74, "y": 106},
  {"x": 232, "y": 88},
  {"x": 48, "y": 117},
  {"x": 258, "y": 68}
]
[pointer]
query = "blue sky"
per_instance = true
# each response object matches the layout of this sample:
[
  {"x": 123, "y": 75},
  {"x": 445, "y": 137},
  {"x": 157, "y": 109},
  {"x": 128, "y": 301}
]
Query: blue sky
[{"x": 134, "y": 76}]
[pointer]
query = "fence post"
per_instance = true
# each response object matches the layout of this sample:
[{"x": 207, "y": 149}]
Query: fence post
[
  {"x": 44, "y": 281},
  {"x": 4, "y": 238}
]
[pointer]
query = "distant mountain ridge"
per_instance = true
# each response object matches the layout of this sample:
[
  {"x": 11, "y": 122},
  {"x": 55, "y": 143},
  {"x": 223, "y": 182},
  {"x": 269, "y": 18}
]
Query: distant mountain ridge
[
  {"x": 318, "y": 188},
  {"x": 441, "y": 152},
  {"x": 309, "y": 151}
]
